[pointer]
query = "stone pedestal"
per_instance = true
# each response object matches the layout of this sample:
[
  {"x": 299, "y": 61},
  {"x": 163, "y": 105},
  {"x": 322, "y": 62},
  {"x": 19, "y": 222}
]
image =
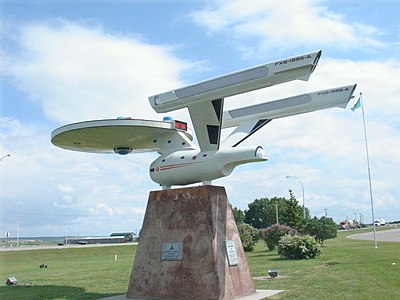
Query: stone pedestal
[{"x": 182, "y": 252}]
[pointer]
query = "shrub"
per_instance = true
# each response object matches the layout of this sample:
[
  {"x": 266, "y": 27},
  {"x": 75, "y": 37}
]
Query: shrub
[
  {"x": 298, "y": 247},
  {"x": 272, "y": 234},
  {"x": 248, "y": 236},
  {"x": 322, "y": 229}
]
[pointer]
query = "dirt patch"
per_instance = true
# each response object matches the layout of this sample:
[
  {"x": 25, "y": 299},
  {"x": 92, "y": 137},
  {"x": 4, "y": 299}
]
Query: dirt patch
[{"x": 320, "y": 267}]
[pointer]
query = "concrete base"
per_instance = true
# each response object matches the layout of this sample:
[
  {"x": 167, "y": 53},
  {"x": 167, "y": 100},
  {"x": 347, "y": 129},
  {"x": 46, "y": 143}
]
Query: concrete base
[{"x": 198, "y": 221}]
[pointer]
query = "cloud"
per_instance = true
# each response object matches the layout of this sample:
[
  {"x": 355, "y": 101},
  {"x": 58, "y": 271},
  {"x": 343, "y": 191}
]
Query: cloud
[
  {"x": 42, "y": 184},
  {"x": 103, "y": 207},
  {"x": 13, "y": 127},
  {"x": 66, "y": 188},
  {"x": 77, "y": 73},
  {"x": 284, "y": 25},
  {"x": 326, "y": 149}
]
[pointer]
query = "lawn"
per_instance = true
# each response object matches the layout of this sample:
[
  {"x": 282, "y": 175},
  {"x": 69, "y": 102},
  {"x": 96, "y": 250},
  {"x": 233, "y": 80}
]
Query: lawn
[
  {"x": 346, "y": 269},
  {"x": 71, "y": 273}
]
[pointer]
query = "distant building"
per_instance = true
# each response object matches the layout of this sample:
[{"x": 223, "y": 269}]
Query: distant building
[
  {"x": 129, "y": 235},
  {"x": 114, "y": 238}
]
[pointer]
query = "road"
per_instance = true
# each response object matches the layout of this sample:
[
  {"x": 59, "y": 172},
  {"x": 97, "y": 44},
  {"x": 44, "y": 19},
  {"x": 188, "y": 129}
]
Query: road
[
  {"x": 41, "y": 247},
  {"x": 382, "y": 236}
]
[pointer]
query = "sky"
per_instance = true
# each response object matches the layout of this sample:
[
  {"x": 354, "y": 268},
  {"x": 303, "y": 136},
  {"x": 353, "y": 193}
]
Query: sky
[{"x": 69, "y": 61}]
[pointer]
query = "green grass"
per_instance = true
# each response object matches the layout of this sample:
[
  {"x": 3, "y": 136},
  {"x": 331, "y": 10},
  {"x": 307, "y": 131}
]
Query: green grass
[
  {"x": 72, "y": 273},
  {"x": 346, "y": 269}
]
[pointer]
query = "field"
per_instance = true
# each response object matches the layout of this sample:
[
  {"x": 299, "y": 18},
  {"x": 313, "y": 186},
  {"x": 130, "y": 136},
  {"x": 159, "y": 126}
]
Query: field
[
  {"x": 75, "y": 273},
  {"x": 347, "y": 269}
]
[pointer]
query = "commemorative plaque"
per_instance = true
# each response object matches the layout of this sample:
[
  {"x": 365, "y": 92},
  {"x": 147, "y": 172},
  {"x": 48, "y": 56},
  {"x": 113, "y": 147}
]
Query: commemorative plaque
[
  {"x": 172, "y": 251},
  {"x": 231, "y": 253}
]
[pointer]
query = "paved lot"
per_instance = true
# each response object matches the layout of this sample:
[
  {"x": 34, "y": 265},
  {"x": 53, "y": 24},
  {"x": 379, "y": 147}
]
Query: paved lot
[{"x": 382, "y": 236}]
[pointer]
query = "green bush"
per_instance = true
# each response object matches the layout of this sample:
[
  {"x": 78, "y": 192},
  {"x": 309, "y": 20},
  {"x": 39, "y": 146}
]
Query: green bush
[
  {"x": 299, "y": 247},
  {"x": 322, "y": 229},
  {"x": 272, "y": 234},
  {"x": 248, "y": 235}
]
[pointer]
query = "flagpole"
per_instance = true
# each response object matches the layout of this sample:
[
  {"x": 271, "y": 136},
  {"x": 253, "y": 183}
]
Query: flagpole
[{"x": 369, "y": 172}]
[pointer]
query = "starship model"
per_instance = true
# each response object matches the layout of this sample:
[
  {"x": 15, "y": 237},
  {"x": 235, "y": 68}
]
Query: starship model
[{"x": 182, "y": 162}]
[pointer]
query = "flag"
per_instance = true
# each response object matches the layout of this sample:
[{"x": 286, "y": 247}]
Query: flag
[{"x": 357, "y": 105}]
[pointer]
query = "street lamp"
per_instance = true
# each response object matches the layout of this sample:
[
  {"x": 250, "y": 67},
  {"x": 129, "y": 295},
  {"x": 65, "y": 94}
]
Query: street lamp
[
  {"x": 8, "y": 155},
  {"x": 302, "y": 186}
]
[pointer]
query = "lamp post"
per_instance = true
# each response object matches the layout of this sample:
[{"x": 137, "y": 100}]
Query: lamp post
[
  {"x": 7, "y": 233},
  {"x": 17, "y": 234},
  {"x": 8, "y": 155},
  {"x": 302, "y": 186}
]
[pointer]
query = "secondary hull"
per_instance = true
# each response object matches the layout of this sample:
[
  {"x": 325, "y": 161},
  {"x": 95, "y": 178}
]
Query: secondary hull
[{"x": 186, "y": 167}]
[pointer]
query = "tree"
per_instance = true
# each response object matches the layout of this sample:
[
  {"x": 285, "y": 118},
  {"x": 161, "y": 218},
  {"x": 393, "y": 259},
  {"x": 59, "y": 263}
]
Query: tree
[
  {"x": 294, "y": 212},
  {"x": 257, "y": 215},
  {"x": 238, "y": 214},
  {"x": 322, "y": 229},
  {"x": 262, "y": 212}
]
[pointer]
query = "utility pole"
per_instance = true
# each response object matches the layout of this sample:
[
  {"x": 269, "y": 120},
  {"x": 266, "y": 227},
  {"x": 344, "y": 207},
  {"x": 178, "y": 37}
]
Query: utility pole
[{"x": 326, "y": 212}]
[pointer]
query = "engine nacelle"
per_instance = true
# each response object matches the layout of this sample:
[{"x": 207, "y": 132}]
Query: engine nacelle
[
  {"x": 276, "y": 72},
  {"x": 191, "y": 166}
]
